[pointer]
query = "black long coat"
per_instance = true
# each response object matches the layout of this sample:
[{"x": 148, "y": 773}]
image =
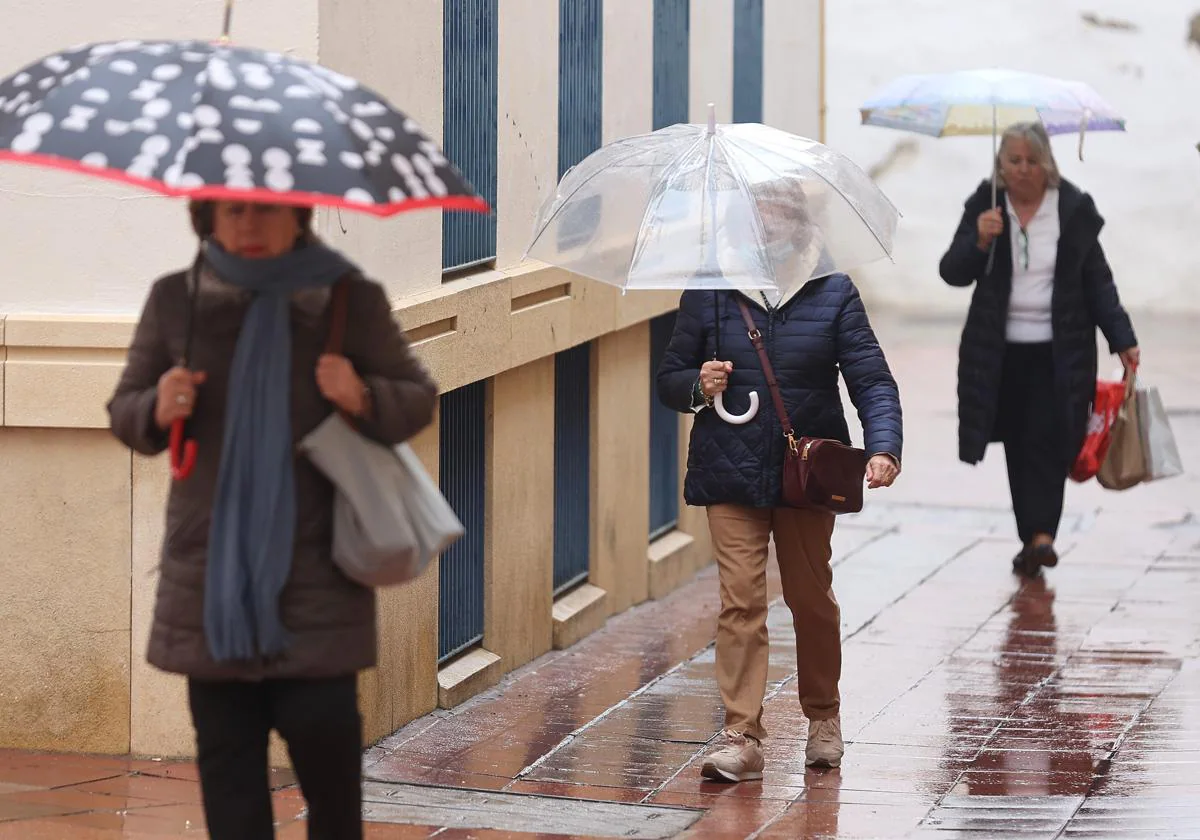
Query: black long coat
[
  {"x": 1084, "y": 298},
  {"x": 821, "y": 331}
]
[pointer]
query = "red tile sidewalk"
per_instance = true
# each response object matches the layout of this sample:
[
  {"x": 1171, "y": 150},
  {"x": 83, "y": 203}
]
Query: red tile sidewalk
[{"x": 974, "y": 707}]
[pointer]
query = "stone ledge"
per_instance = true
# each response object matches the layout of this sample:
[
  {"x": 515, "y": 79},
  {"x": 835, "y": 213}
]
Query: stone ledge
[
  {"x": 579, "y": 613},
  {"x": 62, "y": 368},
  {"x": 461, "y": 679},
  {"x": 111, "y": 332},
  {"x": 673, "y": 559}
]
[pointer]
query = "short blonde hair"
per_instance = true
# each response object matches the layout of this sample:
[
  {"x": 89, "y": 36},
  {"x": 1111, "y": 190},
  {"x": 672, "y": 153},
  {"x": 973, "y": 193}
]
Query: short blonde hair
[{"x": 1033, "y": 133}]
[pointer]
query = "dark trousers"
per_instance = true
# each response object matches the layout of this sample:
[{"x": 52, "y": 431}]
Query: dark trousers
[
  {"x": 319, "y": 721},
  {"x": 1033, "y": 433}
]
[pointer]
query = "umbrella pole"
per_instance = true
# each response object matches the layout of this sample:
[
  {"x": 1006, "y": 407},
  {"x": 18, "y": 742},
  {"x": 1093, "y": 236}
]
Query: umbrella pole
[
  {"x": 995, "y": 154},
  {"x": 711, "y": 256},
  {"x": 995, "y": 175},
  {"x": 228, "y": 22}
]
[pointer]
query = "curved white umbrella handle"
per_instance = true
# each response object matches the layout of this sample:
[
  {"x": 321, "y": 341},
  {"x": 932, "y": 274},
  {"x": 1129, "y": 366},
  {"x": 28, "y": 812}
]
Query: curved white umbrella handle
[{"x": 736, "y": 419}]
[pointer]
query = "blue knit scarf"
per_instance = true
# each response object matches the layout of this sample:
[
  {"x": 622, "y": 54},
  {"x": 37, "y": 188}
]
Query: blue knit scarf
[{"x": 253, "y": 527}]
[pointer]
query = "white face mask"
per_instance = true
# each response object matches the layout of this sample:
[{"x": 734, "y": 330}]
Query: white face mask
[{"x": 780, "y": 251}]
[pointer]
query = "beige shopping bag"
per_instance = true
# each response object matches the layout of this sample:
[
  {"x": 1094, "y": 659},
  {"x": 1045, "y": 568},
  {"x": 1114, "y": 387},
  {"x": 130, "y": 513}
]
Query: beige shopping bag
[{"x": 1125, "y": 464}]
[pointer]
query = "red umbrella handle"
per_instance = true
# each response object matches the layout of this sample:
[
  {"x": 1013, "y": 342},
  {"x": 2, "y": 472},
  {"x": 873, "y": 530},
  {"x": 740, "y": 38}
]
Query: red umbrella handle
[{"x": 183, "y": 452}]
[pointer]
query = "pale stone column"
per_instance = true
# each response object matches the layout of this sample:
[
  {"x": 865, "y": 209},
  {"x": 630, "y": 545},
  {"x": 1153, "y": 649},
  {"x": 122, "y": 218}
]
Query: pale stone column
[
  {"x": 519, "y": 560},
  {"x": 628, "y": 68},
  {"x": 620, "y": 465},
  {"x": 527, "y": 113},
  {"x": 711, "y": 59},
  {"x": 395, "y": 47},
  {"x": 792, "y": 73}
]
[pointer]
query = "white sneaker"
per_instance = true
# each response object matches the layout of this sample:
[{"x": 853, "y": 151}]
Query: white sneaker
[
  {"x": 739, "y": 760},
  {"x": 825, "y": 746}
]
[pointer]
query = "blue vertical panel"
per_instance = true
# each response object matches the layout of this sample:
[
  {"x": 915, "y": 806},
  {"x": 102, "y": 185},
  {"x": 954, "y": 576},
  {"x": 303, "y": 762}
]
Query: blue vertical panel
[
  {"x": 664, "y": 439},
  {"x": 463, "y": 482},
  {"x": 580, "y": 80},
  {"x": 572, "y": 466},
  {"x": 469, "y": 64},
  {"x": 747, "y": 61},
  {"x": 672, "y": 34}
]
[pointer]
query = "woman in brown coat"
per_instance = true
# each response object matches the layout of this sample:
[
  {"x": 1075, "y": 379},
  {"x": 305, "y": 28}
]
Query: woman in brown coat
[{"x": 251, "y": 608}]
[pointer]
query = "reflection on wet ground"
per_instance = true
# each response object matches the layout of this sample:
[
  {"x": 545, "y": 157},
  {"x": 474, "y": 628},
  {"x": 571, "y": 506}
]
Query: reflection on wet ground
[{"x": 975, "y": 706}]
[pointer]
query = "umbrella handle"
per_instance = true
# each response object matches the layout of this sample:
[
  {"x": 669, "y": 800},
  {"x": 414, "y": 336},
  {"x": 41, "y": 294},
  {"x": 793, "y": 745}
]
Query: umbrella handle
[
  {"x": 736, "y": 419},
  {"x": 183, "y": 452}
]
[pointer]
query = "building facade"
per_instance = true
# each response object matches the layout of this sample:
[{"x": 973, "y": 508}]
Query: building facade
[{"x": 548, "y": 441}]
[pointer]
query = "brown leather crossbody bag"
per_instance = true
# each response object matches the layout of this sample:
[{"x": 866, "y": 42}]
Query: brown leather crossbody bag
[{"x": 818, "y": 473}]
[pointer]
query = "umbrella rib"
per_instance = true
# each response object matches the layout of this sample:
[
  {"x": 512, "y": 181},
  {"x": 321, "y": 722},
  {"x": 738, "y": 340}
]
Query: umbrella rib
[
  {"x": 838, "y": 193},
  {"x": 186, "y": 149},
  {"x": 759, "y": 228},
  {"x": 567, "y": 198},
  {"x": 659, "y": 188}
]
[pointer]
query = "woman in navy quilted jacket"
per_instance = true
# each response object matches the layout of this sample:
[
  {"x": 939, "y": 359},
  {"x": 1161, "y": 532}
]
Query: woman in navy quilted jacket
[{"x": 735, "y": 471}]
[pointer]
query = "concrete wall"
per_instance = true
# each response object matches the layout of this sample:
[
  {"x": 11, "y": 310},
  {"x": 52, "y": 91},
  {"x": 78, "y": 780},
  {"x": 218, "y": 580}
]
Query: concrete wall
[
  {"x": 82, "y": 522},
  {"x": 1145, "y": 181}
]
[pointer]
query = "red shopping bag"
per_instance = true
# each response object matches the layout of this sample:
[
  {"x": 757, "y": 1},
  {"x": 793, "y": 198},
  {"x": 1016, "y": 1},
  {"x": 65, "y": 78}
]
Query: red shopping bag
[{"x": 1109, "y": 396}]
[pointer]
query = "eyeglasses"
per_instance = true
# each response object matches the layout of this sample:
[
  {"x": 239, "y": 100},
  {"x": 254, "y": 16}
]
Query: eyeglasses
[{"x": 1024, "y": 236}]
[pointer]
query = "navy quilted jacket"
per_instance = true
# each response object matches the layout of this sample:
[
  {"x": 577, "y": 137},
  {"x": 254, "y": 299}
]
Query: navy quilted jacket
[{"x": 822, "y": 329}]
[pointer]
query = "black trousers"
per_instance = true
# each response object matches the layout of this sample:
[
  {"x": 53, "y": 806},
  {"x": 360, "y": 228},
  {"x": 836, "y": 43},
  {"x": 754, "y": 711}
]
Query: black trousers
[
  {"x": 318, "y": 719},
  {"x": 1033, "y": 433}
]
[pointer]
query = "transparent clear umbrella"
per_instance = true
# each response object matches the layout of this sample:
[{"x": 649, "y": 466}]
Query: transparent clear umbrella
[{"x": 713, "y": 206}]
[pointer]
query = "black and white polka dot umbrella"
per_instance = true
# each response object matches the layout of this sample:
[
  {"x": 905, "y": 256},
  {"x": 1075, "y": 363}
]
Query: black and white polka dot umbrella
[{"x": 191, "y": 118}]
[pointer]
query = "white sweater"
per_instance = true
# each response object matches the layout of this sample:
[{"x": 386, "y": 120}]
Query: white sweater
[{"x": 1035, "y": 254}]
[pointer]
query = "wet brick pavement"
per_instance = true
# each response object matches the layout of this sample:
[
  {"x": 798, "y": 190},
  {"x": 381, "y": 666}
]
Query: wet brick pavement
[{"x": 974, "y": 706}]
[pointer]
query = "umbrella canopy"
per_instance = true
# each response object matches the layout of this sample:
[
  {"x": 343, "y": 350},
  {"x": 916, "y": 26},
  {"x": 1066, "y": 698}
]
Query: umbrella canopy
[
  {"x": 202, "y": 120},
  {"x": 720, "y": 207},
  {"x": 984, "y": 101}
]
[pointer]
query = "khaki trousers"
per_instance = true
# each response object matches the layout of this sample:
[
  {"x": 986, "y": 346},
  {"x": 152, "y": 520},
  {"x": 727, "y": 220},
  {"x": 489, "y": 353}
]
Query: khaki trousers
[{"x": 741, "y": 537}]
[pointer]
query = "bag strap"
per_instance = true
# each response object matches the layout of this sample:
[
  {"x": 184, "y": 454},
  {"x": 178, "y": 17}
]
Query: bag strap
[
  {"x": 756, "y": 339},
  {"x": 1130, "y": 382},
  {"x": 339, "y": 293},
  {"x": 337, "y": 317}
]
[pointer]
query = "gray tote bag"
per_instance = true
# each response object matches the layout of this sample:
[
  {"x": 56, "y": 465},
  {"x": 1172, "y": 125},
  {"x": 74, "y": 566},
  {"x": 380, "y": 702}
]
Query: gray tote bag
[{"x": 389, "y": 517}]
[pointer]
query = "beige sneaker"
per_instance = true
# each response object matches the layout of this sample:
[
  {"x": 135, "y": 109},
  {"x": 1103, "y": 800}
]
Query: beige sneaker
[
  {"x": 740, "y": 760},
  {"x": 825, "y": 746}
]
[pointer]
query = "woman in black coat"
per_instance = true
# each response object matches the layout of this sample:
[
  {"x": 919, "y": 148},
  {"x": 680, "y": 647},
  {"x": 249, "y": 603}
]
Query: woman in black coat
[
  {"x": 1027, "y": 361},
  {"x": 735, "y": 471}
]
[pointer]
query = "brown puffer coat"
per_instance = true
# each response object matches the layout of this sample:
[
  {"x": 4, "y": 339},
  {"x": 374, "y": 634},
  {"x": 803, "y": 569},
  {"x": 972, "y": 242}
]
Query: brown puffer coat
[{"x": 330, "y": 619}]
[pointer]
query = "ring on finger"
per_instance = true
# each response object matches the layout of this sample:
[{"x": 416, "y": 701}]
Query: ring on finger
[{"x": 181, "y": 399}]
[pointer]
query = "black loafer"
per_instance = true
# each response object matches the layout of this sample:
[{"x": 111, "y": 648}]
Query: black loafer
[
  {"x": 1026, "y": 564},
  {"x": 1044, "y": 555}
]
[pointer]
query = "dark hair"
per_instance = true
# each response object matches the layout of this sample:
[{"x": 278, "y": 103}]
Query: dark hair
[{"x": 202, "y": 213}]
